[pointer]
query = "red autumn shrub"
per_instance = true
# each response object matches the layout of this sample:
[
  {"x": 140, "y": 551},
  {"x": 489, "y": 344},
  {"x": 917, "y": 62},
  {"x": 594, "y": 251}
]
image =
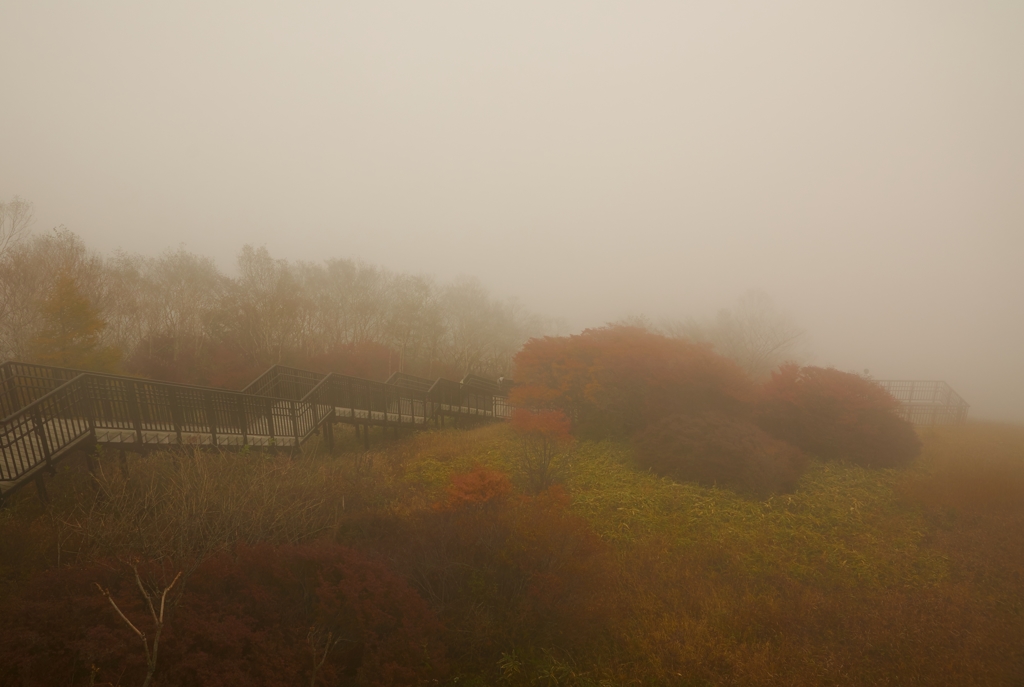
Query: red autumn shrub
[
  {"x": 57, "y": 626},
  {"x": 513, "y": 571},
  {"x": 614, "y": 380},
  {"x": 256, "y": 616},
  {"x": 712, "y": 449},
  {"x": 837, "y": 416},
  {"x": 477, "y": 487}
]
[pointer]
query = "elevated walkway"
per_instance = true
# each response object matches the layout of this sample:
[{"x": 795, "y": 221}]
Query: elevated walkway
[{"x": 51, "y": 412}]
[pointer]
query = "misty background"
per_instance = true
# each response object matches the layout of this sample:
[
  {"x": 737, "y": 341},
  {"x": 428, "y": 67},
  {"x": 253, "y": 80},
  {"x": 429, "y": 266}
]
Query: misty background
[{"x": 861, "y": 164}]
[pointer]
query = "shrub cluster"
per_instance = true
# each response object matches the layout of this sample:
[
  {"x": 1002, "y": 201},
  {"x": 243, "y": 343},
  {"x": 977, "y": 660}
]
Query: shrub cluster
[
  {"x": 691, "y": 410},
  {"x": 509, "y": 569},
  {"x": 713, "y": 449},
  {"x": 837, "y": 416}
]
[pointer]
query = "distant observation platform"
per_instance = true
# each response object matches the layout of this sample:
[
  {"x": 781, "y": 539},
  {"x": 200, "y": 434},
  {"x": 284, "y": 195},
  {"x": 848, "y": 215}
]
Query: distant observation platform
[{"x": 927, "y": 402}]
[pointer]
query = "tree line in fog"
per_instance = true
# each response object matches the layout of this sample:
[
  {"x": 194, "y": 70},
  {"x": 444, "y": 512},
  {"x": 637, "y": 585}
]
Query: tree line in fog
[{"x": 178, "y": 317}]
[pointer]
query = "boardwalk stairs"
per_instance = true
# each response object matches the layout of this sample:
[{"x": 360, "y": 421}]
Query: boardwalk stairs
[{"x": 50, "y": 413}]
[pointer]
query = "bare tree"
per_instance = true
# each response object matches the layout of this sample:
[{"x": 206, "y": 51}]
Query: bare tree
[
  {"x": 15, "y": 222},
  {"x": 152, "y": 648},
  {"x": 754, "y": 333}
]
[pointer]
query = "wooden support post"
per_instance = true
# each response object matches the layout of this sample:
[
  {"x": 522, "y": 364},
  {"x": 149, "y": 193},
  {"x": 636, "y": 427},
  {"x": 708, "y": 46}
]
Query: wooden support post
[
  {"x": 329, "y": 432},
  {"x": 123, "y": 463},
  {"x": 90, "y": 463},
  {"x": 41, "y": 489},
  {"x": 366, "y": 436}
]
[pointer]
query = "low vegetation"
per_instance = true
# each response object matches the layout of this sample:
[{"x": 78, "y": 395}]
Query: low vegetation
[
  {"x": 838, "y": 416},
  {"x": 430, "y": 558},
  {"x": 713, "y": 449}
]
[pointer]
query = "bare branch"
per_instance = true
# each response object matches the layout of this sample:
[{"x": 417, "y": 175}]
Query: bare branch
[{"x": 140, "y": 633}]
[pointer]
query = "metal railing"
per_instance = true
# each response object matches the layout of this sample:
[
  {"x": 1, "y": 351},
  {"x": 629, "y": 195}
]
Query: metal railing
[
  {"x": 284, "y": 382},
  {"x": 52, "y": 410},
  {"x": 140, "y": 413},
  {"x": 23, "y": 383},
  {"x": 927, "y": 402}
]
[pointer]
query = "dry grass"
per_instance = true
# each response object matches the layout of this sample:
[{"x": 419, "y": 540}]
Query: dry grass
[{"x": 977, "y": 469}]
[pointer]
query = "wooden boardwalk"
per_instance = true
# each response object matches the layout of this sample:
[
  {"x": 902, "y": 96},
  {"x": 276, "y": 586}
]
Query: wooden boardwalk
[{"x": 49, "y": 413}]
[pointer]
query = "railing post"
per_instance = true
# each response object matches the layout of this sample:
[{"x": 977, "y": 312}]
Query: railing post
[
  {"x": 351, "y": 402},
  {"x": 270, "y": 422},
  {"x": 295, "y": 425},
  {"x": 86, "y": 405},
  {"x": 211, "y": 416},
  {"x": 133, "y": 409},
  {"x": 44, "y": 442},
  {"x": 176, "y": 417},
  {"x": 242, "y": 424}
]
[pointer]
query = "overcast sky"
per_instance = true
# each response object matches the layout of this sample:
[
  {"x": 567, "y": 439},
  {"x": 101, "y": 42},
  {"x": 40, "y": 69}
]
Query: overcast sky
[{"x": 861, "y": 162}]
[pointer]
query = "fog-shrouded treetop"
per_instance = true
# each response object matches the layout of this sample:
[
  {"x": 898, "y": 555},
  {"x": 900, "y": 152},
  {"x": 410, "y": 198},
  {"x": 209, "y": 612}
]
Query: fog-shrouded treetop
[{"x": 861, "y": 163}]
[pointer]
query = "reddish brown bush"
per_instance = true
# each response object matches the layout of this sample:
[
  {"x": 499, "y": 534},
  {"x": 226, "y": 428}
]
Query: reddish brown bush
[
  {"x": 715, "y": 450},
  {"x": 837, "y": 416},
  {"x": 615, "y": 380},
  {"x": 253, "y": 617},
  {"x": 507, "y": 570},
  {"x": 476, "y": 487}
]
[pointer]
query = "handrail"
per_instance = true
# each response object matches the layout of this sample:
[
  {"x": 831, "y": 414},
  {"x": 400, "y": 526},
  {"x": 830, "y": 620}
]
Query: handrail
[
  {"x": 272, "y": 378},
  {"x": 15, "y": 393},
  {"x": 133, "y": 411},
  {"x": 128, "y": 409},
  {"x": 33, "y": 435},
  {"x": 146, "y": 380}
]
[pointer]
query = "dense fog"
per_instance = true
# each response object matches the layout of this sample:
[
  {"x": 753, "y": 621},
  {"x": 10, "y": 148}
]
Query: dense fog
[{"x": 855, "y": 169}]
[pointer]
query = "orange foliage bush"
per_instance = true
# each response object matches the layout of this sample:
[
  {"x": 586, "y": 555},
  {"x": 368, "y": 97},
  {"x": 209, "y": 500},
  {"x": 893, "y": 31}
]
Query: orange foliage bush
[
  {"x": 713, "y": 449},
  {"x": 837, "y": 416},
  {"x": 614, "y": 380},
  {"x": 477, "y": 487}
]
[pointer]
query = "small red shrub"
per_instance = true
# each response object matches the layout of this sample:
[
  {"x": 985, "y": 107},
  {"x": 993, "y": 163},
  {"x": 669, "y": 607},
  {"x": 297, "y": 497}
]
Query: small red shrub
[
  {"x": 477, "y": 487},
  {"x": 713, "y": 449},
  {"x": 837, "y": 416},
  {"x": 522, "y": 571}
]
